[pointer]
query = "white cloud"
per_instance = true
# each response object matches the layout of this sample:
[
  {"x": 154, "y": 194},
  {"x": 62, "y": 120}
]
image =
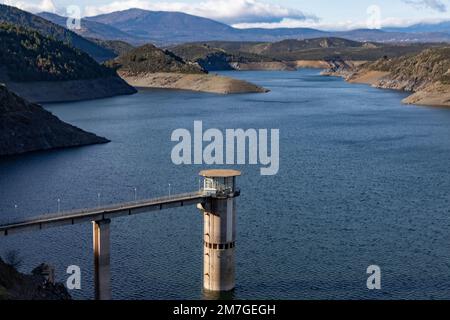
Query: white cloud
[
  {"x": 294, "y": 23},
  {"x": 436, "y": 5},
  {"x": 337, "y": 26},
  {"x": 44, "y": 5},
  {"x": 228, "y": 11}
]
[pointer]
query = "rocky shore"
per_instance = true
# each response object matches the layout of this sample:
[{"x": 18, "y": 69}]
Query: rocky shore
[
  {"x": 262, "y": 66},
  {"x": 433, "y": 94},
  {"x": 426, "y": 75},
  {"x": 36, "y": 286},
  {"x": 209, "y": 83},
  {"x": 313, "y": 64}
]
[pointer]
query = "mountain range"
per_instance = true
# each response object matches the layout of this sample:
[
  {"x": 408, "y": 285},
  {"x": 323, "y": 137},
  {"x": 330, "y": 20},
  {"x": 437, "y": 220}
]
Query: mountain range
[
  {"x": 138, "y": 26},
  {"x": 92, "y": 29},
  {"x": 441, "y": 27},
  {"x": 28, "y": 20}
]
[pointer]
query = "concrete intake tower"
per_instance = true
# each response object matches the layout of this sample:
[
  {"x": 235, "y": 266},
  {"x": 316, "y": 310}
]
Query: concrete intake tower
[{"x": 219, "y": 229}]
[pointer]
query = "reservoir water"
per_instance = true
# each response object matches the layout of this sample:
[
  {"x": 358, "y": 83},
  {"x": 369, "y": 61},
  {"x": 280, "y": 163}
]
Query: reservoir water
[{"x": 363, "y": 180}]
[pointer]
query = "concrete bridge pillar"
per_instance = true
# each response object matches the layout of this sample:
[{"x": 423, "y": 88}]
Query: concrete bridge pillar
[
  {"x": 219, "y": 230},
  {"x": 102, "y": 269}
]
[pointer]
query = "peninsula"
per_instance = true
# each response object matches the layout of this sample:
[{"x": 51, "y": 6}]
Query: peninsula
[
  {"x": 150, "y": 67},
  {"x": 26, "y": 127}
]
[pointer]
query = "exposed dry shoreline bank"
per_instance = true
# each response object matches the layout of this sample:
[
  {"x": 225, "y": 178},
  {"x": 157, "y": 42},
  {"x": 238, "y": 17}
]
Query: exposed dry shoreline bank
[
  {"x": 434, "y": 94},
  {"x": 70, "y": 91},
  {"x": 428, "y": 93},
  {"x": 263, "y": 66},
  {"x": 194, "y": 82},
  {"x": 321, "y": 64}
]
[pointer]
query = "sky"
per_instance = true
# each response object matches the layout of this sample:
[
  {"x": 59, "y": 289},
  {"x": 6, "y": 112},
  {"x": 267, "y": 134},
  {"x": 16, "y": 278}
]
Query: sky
[{"x": 321, "y": 14}]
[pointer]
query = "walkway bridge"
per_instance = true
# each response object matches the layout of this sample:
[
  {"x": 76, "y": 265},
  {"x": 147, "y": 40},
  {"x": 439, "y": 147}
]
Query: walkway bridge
[
  {"x": 216, "y": 201},
  {"x": 102, "y": 213}
]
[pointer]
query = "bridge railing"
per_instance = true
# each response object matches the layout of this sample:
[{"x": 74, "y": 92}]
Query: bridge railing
[{"x": 112, "y": 207}]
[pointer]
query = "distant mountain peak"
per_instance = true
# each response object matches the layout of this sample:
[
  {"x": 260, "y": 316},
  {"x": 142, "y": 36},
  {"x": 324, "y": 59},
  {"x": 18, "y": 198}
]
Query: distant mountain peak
[
  {"x": 25, "y": 19},
  {"x": 92, "y": 29}
]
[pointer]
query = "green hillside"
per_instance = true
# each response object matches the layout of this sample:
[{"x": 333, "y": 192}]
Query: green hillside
[
  {"x": 117, "y": 46},
  {"x": 28, "y": 20},
  {"x": 150, "y": 59},
  {"x": 29, "y": 56}
]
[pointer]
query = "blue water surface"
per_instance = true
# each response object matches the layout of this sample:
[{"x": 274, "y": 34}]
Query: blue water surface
[{"x": 363, "y": 180}]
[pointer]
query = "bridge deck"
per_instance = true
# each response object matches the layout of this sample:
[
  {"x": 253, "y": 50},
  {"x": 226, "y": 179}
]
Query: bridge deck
[{"x": 101, "y": 213}]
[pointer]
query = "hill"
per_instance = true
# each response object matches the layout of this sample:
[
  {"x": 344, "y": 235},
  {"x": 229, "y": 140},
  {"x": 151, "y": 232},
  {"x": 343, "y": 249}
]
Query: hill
[
  {"x": 414, "y": 72},
  {"x": 92, "y": 29},
  {"x": 164, "y": 27},
  {"x": 151, "y": 67},
  {"x": 212, "y": 59},
  {"x": 26, "y": 127},
  {"x": 290, "y": 45},
  {"x": 42, "y": 69},
  {"x": 209, "y": 58},
  {"x": 25, "y": 19},
  {"x": 29, "y": 56},
  {"x": 117, "y": 46},
  {"x": 426, "y": 75},
  {"x": 321, "y": 49},
  {"x": 150, "y": 59}
]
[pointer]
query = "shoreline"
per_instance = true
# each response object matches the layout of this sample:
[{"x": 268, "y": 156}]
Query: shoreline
[
  {"x": 432, "y": 95},
  {"x": 209, "y": 83},
  {"x": 70, "y": 91},
  {"x": 263, "y": 66}
]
